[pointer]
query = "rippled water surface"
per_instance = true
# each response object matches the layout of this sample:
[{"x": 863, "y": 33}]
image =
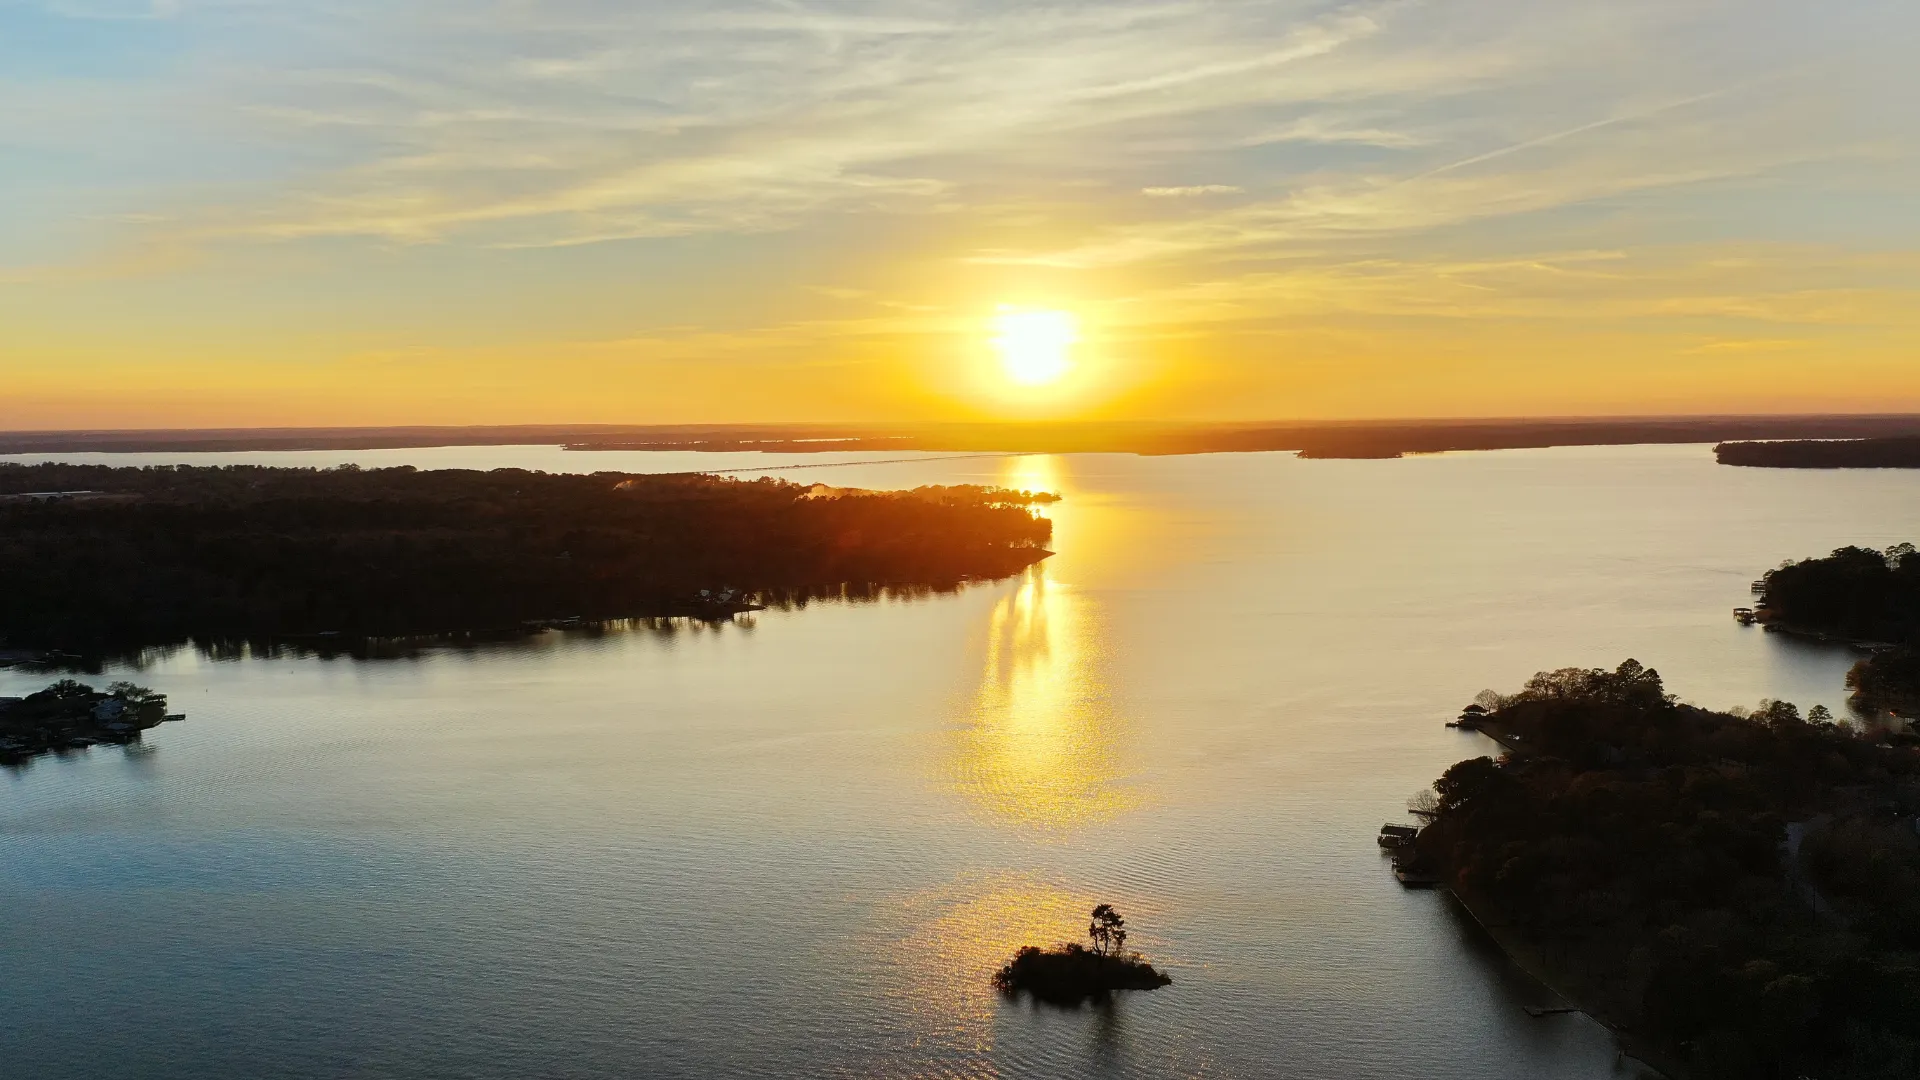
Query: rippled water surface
[{"x": 798, "y": 845}]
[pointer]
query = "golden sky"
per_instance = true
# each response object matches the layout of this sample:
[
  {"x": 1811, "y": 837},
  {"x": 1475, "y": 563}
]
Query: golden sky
[{"x": 270, "y": 212}]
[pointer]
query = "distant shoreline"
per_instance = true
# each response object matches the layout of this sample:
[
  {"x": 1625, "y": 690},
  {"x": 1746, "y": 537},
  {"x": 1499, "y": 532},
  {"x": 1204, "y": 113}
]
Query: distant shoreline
[
  {"x": 1864, "y": 453},
  {"x": 1321, "y": 439}
]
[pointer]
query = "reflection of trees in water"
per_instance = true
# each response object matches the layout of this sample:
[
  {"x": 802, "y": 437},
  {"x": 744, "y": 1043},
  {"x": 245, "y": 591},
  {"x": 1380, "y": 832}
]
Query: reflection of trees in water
[
  {"x": 1041, "y": 746},
  {"x": 535, "y": 637}
]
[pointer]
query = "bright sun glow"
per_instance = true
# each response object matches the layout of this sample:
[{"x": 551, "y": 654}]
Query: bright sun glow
[{"x": 1035, "y": 346}]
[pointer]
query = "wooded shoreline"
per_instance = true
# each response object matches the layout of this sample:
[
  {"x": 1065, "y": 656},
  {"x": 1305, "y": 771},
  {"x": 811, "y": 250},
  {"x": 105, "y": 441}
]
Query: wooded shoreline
[
  {"x": 1515, "y": 947},
  {"x": 1863, "y": 453},
  {"x": 248, "y": 553},
  {"x": 1863, "y": 597},
  {"x": 1634, "y": 855}
]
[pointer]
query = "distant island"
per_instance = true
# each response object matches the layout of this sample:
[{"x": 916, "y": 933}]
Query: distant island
[
  {"x": 1313, "y": 439},
  {"x": 71, "y": 715},
  {"x": 1861, "y": 595},
  {"x": 1738, "y": 895},
  {"x": 1888, "y": 453},
  {"x": 1075, "y": 974},
  {"x": 95, "y": 558}
]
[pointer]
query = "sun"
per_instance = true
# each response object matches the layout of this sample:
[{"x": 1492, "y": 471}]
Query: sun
[{"x": 1035, "y": 347}]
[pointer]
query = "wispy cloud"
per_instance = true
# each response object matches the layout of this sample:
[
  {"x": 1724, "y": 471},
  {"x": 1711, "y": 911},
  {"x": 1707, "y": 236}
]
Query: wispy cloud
[
  {"x": 1175, "y": 167},
  {"x": 1333, "y": 130},
  {"x": 1752, "y": 345},
  {"x": 1191, "y": 191},
  {"x": 1754, "y": 286},
  {"x": 598, "y": 120},
  {"x": 732, "y": 130},
  {"x": 1662, "y": 148},
  {"x": 114, "y": 9}
]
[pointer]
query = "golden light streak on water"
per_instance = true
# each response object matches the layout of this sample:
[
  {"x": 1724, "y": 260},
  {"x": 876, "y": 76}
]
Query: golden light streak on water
[
  {"x": 1040, "y": 748},
  {"x": 1032, "y": 472},
  {"x": 953, "y": 938}
]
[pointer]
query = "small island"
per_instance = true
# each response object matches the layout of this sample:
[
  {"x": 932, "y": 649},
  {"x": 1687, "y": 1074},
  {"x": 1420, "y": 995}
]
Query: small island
[
  {"x": 1736, "y": 893},
  {"x": 161, "y": 556},
  {"x": 1075, "y": 974},
  {"x": 70, "y": 715},
  {"x": 1859, "y": 595}
]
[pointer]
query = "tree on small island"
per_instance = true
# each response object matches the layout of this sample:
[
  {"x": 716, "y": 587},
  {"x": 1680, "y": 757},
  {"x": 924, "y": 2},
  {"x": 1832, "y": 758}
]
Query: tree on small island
[
  {"x": 1073, "y": 974},
  {"x": 1107, "y": 931},
  {"x": 67, "y": 690}
]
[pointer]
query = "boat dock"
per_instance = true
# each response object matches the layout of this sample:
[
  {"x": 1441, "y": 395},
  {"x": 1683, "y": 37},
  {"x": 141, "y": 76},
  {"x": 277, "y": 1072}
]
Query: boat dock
[{"x": 1408, "y": 869}]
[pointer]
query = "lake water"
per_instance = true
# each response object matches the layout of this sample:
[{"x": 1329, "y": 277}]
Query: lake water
[{"x": 799, "y": 845}]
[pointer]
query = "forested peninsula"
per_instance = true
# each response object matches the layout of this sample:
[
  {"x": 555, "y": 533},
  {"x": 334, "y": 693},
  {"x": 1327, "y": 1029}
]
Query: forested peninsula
[
  {"x": 1861, "y": 595},
  {"x": 94, "y": 558},
  {"x": 1738, "y": 894},
  {"x": 1887, "y": 453}
]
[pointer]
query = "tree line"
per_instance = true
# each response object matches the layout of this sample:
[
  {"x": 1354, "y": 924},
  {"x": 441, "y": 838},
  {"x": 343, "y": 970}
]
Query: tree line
[
  {"x": 1639, "y": 846},
  {"x": 1864, "y": 595},
  {"x": 240, "y": 552},
  {"x": 1895, "y": 452}
]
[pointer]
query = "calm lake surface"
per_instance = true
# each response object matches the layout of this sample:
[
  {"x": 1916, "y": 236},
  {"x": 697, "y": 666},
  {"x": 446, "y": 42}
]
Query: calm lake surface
[{"x": 798, "y": 845}]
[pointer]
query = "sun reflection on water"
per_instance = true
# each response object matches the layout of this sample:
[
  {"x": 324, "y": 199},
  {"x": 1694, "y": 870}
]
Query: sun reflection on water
[
  {"x": 949, "y": 940},
  {"x": 1040, "y": 744},
  {"x": 1031, "y": 472}
]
